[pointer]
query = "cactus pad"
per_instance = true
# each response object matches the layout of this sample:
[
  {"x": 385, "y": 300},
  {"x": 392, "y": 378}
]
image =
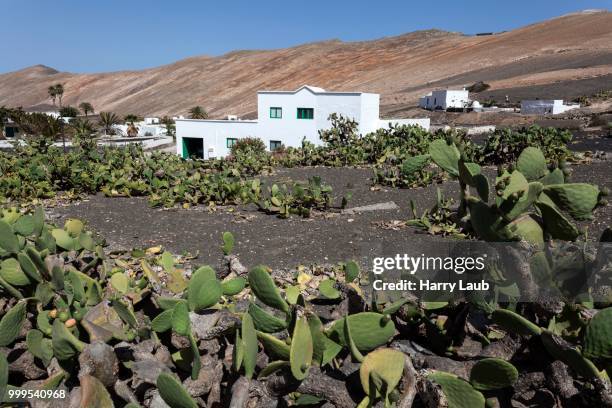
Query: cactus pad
[
  {"x": 532, "y": 163},
  {"x": 445, "y": 155},
  {"x": 369, "y": 330},
  {"x": 388, "y": 364},
  {"x": 493, "y": 373},
  {"x": 598, "y": 337},
  {"x": 515, "y": 323},
  {"x": 578, "y": 199},
  {"x": 300, "y": 355},
  {"x": 459, "y": 393}
]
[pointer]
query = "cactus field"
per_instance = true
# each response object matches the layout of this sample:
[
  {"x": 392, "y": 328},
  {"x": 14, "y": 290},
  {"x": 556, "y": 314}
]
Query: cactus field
[{"x": 130, "y": 279}]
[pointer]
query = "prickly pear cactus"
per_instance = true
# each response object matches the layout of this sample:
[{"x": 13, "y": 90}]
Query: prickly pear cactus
[
  {"x": 493, "y": 373},
  {"x": 598, "y": 337},
  {"x": 369, "y": 330},
  {"x": 532, "y": 164},
  {"x": 515, "y": 323},
  {"x": 578, "y": 199},
  {"x": 459, "y": 393},
  {"x": 173, "y": 393},
  {"x": 263, "y": 286},
  {"x": 388, "y": 365},
  {"x": 301, "y": 349},
  {"x": 446, "y": 155}
]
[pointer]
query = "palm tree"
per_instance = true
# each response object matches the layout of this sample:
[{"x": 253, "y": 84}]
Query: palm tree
[
  {"x": 131, "y": 118},
  {"x": 82, "y": 128},
  {"x": 86, "y": 107},
  {"x": 197, "y": 112},
  {"x": 59, "y": 89},
  {"x": 52, "y": 93},
  {"x": 56, "y": 91},
  {"x": 83, "y": 134},
  {"x": 107, "y": 122}
]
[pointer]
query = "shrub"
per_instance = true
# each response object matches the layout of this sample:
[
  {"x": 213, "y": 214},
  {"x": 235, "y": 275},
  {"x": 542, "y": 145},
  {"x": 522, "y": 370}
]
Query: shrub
[{"x": 248, "y": 144}]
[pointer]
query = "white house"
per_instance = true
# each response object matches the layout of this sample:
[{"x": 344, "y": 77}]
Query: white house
[
  {"x": 445, "y": 99},
  {"x": 151, "y": 121},
  {"x": 284, "y": 118},
  {"x": 544, "y": 106}
]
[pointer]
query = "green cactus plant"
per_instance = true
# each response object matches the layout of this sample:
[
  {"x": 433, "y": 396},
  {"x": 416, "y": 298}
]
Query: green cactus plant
[
  {"x": 561, "y": 350},
  {"x": 228, "y": 243},
  {"x": 39, "y": 346},
  {"x": 532, "y": 163},
  {"x": 265, "y": 321},
  {"x": 263, "y": 286},
  {"x": 515, "y": 323},
  {"x": 8, "y": 239},
  {"x": 598, "y": 336},
  {"x": 173, "y": 393},
  {"x": 273, "y": 346},
  {"x": 250, "y": 346},
  {"x": 446, "y": 155},
  {"x": 369, "y": 330},
  {"x": 493, "y": 373},
  {"x": 381, "y": 371},
  {"x": 301, "y": 351},
  {"x": 12, "y": 322},
  {"x": 204, "y": 289},
  {"x": 233, "y": 286},
  {"x": 458, "y": 392}
]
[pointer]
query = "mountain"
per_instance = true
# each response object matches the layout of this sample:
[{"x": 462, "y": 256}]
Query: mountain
[{"x": 563, "y": 57}]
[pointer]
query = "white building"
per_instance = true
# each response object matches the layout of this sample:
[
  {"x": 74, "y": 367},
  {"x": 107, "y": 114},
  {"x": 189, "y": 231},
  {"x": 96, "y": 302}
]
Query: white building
[
  {"x": 546, "y": 106},
  {"x": 445, "y": 99},
  {"x": 144, "y": 129},
  {"x": 284, "y": 118},
  {"x": 151, "y": 121}
]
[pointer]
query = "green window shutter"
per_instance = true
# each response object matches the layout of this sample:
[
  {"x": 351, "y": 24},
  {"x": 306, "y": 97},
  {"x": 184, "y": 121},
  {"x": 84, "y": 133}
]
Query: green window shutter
[
  {"x": 276, "y": 113},
  {"x": 305, "y": 113}
]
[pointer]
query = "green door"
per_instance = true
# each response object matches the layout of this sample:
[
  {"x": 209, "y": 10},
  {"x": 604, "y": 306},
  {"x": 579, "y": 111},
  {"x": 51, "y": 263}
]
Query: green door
[{"x": 193, "y": 148}]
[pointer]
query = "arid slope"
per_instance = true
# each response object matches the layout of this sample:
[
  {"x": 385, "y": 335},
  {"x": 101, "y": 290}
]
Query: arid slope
[{"x": 568, "y": 49}]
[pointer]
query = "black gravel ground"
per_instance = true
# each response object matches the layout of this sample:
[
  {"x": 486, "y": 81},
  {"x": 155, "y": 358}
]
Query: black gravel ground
[{"x": 130, "y": 223}]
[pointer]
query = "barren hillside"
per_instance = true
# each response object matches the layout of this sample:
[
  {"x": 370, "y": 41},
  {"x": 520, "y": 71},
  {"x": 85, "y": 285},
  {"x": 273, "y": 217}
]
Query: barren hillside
[{"x": 564, "y": 57}]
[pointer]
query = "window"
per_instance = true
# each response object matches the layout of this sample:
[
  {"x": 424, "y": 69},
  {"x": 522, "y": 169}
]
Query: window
[
  {"x": 231, "y": 141},
  {"x": 276, "y": 113},
  {"x": 305, "y": 113},
  {"x": 275, "y": 145}
]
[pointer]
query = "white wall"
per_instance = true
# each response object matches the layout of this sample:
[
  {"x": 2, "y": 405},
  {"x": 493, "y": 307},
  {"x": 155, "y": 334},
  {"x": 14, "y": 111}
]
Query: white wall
[
  {"x": 545, "y": 106},
  {"x": 445, "y": 99},
  {"x": 214, "y": 133}
]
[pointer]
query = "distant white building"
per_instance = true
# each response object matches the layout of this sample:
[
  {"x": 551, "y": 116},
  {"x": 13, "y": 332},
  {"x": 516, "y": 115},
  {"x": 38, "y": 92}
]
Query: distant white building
[
  {"x": 151, "y": 121},
  {"x": 284, "y": 119},
  {"x": 546, "y": 106},
  {"x": 445, "y": 99},
  {"x": 144, "y": 129}
]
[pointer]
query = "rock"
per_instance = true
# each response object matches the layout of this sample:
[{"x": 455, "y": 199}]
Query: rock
[
  {"x": 99, "y": 360},
  {"x": 386, "y": 206},
  {"x": 202, "y": 322}
]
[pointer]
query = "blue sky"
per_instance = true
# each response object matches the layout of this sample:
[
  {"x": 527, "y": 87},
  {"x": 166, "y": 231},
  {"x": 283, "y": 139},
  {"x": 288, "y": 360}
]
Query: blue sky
[{"x": 110, "y": 35}]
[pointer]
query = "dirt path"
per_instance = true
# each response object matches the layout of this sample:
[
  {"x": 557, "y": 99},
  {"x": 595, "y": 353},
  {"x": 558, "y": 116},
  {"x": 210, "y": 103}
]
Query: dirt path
[{"x": 261, "y": 238}]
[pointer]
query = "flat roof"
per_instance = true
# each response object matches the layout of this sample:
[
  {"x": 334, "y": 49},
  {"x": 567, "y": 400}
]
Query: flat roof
[{"x": 315, "y": 90}]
